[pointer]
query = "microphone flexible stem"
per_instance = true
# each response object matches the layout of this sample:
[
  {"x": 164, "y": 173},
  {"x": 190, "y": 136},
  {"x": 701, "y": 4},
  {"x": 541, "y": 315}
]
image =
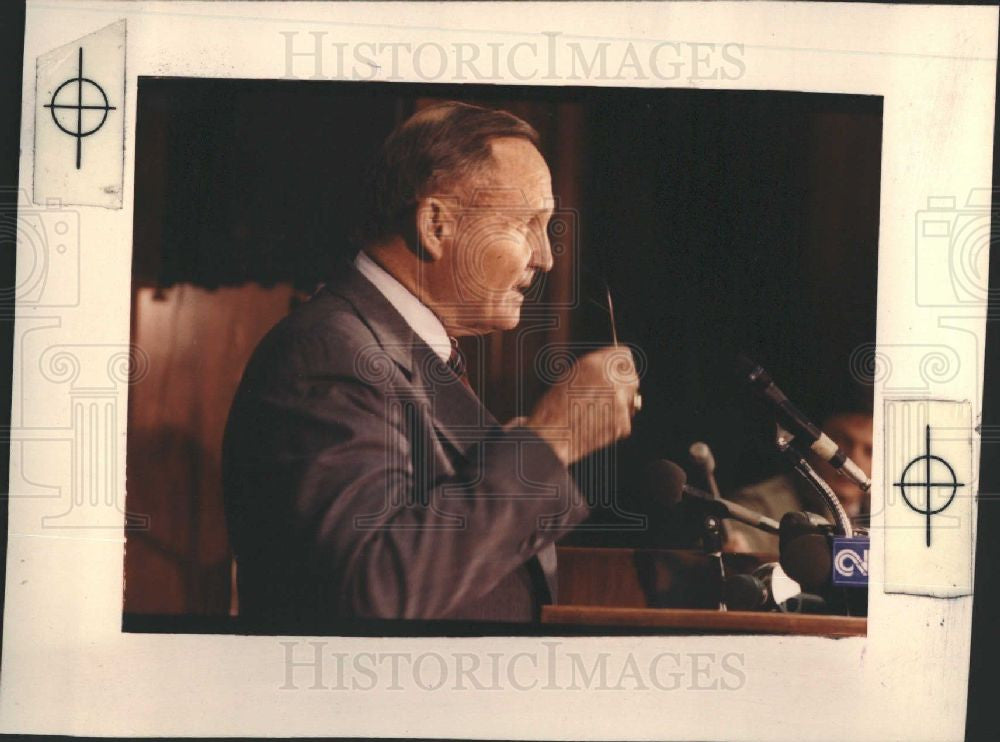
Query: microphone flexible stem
[{"x": 843, "y": 523}]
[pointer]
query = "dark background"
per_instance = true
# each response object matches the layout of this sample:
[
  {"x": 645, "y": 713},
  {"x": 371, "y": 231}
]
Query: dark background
[{"x": 723, "y": 221}]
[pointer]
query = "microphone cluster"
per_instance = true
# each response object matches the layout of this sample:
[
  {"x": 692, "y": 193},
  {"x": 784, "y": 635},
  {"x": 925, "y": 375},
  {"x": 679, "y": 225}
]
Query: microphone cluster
[
  {"x": 801, "y": 580},
  {"x": 811, "y": 549}
]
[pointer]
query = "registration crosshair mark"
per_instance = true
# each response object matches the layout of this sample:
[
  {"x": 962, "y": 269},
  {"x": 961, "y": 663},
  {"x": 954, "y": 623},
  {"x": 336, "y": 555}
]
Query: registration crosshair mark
[
  {"x": 58, "y": 105},
  {"x": 928, "y": 484}
]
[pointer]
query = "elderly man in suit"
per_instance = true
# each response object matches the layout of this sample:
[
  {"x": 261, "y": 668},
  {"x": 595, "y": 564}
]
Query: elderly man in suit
[{"x": 363, "y": 477}]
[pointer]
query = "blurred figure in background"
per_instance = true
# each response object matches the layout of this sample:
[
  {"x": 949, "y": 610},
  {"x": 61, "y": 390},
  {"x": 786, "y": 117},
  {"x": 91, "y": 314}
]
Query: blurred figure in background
[{"x": 787, "y": 492}]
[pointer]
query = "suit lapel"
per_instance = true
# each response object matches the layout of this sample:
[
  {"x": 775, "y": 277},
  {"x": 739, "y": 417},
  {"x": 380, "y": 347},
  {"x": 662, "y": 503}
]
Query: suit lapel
[
  {"x": 458, "y": 415},
  {"x": 391, "y": 331}
]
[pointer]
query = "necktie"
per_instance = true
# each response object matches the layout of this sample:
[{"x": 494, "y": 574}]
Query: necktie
[{"x": 457, "y": 364}]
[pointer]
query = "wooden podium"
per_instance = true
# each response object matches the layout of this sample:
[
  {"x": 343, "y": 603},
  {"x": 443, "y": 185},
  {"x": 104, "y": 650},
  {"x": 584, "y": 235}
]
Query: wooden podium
[{"x": 668, "y": 591}]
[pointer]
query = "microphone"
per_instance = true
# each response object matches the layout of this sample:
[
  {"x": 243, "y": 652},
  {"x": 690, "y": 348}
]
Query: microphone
[
  {"x": 664, "y": 481},
  {"x": 768, "y": 588},
  {"x": 805, "y": 550},
  {"x": 747, "y": 593},
  {"x": 798, "y": 424},
  {"x": 801, "y": 523},
  {"x": 732, "y": 510},
  {"x": 667, "y": 481},
  {"x": 806, "y": 547},
  {"x": 701, "y": 454}
]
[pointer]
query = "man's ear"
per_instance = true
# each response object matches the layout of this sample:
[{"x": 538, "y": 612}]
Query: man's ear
[{"x": 435, "y": 227}]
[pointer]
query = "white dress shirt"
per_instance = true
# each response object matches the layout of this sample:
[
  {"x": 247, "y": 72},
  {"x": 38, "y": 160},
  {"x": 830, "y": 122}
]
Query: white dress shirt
[{"x": 417, "y": 314}]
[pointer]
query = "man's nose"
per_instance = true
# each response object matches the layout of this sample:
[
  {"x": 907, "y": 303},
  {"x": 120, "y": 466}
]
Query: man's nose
[{"x": 541, "y": 254}]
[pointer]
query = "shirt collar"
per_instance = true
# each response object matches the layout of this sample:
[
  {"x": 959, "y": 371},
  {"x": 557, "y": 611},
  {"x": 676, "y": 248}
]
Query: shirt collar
[{"x": 417, "y": 314}]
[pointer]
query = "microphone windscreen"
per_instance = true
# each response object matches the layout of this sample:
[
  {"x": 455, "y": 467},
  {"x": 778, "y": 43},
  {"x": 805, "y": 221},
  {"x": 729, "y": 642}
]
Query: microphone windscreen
[
  {"x": 701, "y": 454},
  {"x": 806, "y": 603},
  {"x": 664, "y": 481},
  {"x": 793, "y": 525},
  {"x": 745, "y": 593},
  {"x": 808, "y": 560}
]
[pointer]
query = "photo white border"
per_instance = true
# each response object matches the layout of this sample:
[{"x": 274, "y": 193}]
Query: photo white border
[{"x": 68, "y": 669}]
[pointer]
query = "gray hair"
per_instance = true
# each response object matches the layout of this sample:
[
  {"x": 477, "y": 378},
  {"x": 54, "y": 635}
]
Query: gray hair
[{"x": 437, "y": 150}]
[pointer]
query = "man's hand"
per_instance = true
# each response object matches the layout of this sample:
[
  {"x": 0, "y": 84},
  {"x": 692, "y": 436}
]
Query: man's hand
[{"x": 590, "y": 407}]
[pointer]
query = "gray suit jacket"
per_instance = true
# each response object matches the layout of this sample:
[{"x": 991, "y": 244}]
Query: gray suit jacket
[{"x": 363, "y": 479}]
